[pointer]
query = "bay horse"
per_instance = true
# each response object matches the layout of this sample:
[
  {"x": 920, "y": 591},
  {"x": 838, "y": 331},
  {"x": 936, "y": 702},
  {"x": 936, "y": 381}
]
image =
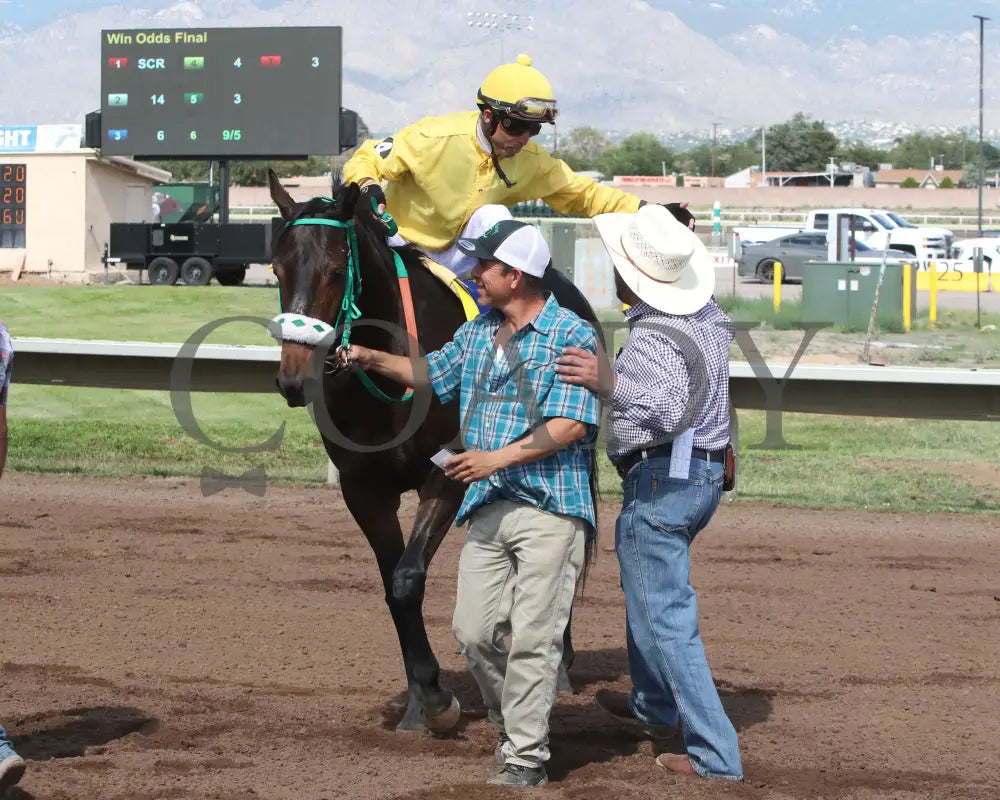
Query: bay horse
[{"x": 333, "y": 265}]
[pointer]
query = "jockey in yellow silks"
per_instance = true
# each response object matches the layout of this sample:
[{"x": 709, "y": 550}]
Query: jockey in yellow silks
[{"x": 457, "y": 174}]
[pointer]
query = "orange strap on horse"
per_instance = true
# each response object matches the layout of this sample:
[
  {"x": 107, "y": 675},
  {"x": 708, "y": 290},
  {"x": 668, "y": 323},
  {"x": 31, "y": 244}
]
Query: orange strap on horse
[{"x": 411, "y": 319}]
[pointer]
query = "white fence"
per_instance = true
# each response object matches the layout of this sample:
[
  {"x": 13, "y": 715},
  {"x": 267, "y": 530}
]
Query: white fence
[
  {"x": 868, "y": 391},
  {"x": 729, "y": 217},
  {"x": 904, "y": 392}
]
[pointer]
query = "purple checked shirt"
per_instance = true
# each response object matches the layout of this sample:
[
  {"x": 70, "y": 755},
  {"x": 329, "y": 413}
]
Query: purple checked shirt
[
  {"x": 6, "y": 362},
  {"x": 671, "y": 375}
]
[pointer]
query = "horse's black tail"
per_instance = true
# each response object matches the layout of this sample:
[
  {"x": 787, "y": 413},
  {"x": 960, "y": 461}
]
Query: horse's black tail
[{"x": 590, "y": 546}]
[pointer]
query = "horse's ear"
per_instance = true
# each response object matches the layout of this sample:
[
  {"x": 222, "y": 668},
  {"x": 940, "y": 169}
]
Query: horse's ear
[
  {"x": 281, "y": 198},
  {"x": 351, "y": 195}
]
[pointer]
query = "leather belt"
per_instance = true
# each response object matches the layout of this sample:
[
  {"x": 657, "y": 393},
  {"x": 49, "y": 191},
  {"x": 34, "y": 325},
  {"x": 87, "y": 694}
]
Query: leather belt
[{"x": 626, "y": 463}]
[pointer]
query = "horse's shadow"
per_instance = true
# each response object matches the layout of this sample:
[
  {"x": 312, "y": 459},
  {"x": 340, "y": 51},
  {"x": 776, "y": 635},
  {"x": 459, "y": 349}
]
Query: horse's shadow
[
  {"x": 68, "y": 734},
  {"x": 581, "y": 732}
]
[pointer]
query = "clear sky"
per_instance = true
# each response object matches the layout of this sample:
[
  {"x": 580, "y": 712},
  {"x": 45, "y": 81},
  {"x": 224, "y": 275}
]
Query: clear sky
[{"x": 809, "y": 20}]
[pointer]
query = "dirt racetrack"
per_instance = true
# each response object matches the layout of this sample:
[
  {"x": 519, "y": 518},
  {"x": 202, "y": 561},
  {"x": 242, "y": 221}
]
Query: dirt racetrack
[{"x": 157, "y": 644}]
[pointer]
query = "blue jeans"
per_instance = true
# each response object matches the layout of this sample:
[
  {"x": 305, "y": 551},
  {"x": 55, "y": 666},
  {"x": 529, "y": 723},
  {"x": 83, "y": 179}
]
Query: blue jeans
[
  {"x": 671, "y": 679},
  {"x": 4, "y": 744}
]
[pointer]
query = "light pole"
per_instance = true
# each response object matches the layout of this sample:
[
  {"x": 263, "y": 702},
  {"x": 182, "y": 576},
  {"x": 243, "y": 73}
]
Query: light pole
[
  {"x": 500, "y": 23},
  {"x": 979, "y": 254},
  {"x": 980, "y": 159},
  {"x": 715, "y": 127},
  {"x": 763, "y": 154}
]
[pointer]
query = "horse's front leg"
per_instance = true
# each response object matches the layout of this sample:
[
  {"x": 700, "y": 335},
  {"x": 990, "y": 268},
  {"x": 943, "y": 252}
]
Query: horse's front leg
[
  {"x": 440, "y": 499},
  {"x": 376, "y": 515},
  {"x": 563, "y": 683}
]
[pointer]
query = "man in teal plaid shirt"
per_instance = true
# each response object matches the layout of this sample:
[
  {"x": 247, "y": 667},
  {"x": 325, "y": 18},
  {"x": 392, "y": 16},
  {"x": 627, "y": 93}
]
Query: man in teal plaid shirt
[
  {"x": 11, "y": 764},
  {"x": 527, "y": 438}
]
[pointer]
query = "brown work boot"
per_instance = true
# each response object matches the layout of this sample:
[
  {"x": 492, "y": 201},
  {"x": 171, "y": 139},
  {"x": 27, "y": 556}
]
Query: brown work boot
[
  {"x": 676, "y": 763},
  {"x": 615, "y": 704}
]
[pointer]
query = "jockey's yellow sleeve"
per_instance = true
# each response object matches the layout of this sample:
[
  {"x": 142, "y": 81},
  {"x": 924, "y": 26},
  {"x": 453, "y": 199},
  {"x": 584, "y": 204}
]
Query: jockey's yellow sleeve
[{"x": 437, "y": 174}]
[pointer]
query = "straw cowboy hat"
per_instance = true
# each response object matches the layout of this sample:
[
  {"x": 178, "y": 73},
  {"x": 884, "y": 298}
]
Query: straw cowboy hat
[{"x": 659, "y": 259}]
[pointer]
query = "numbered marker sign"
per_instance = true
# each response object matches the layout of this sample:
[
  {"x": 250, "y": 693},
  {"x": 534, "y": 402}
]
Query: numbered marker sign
[{"x": 13, "y": 199}]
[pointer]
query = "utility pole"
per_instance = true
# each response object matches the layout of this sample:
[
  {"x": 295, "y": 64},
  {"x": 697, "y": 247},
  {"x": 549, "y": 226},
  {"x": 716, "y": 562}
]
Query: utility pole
[
  {"x": 979, "y": 254},
  {"x": 980, "y": 170},
  {"x": 763, "y": 155},
  {"x": 715, "y": 126}
]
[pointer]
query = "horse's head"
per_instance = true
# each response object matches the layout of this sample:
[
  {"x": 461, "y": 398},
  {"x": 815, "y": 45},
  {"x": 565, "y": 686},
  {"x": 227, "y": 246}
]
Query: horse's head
[{"x": 315, "y": 259}]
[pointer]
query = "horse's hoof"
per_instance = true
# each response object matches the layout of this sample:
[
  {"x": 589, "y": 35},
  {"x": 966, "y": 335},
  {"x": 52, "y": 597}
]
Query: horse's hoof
[
  {"x": 411, "y": 726},
  {"x": 446, "y": 720},
  {"x": 564, "y": 685}
]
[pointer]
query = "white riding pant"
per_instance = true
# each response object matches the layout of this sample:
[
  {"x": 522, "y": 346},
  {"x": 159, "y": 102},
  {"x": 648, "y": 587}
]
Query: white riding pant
[{"x": 452, "y": 257}]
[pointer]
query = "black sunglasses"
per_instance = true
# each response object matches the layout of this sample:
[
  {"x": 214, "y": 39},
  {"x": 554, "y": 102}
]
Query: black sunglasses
[{"x": 516, "y": 127}]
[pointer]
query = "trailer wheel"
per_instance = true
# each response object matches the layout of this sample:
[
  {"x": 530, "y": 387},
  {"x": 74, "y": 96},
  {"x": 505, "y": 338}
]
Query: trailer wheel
[
  {"x": 196, "y": 271},
  {"x": 163, "y": 271},
  {"x": 231, "y": 277}
]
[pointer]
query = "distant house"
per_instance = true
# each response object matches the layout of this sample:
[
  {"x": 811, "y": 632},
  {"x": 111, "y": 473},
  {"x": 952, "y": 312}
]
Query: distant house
[
  {"x": 754, "y": 177},
  {"x": 839, "y": 178},
  {"x": 925, "y": 178},
  {"x": 743, "y": 179}
]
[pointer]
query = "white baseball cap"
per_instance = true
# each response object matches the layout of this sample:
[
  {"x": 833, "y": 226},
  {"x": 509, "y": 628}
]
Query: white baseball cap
[{"x": 517, "y": 244}]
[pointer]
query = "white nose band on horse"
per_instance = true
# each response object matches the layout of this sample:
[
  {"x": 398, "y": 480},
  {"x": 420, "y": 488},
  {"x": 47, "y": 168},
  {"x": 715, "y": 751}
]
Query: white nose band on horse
[{"x": 299, "y": 328}]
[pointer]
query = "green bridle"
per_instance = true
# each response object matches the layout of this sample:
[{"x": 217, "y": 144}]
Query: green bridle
[{"x": 349, "y": 311}]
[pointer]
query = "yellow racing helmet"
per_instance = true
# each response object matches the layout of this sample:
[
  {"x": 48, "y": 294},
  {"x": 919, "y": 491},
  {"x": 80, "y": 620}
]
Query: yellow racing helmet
[{"x": 519, "y": 90}]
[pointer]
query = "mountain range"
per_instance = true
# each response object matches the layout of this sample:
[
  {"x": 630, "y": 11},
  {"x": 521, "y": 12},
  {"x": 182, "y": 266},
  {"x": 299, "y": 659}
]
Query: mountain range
[{"x": 618, "y": 66}]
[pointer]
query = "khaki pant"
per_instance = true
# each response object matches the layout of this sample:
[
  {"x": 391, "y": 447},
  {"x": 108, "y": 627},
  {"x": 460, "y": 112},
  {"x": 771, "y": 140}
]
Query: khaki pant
[{"x": 517, "y": 574}]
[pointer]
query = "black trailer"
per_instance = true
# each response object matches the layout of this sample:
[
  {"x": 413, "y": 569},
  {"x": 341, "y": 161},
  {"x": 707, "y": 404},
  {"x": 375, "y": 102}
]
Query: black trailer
[{"x": 193, "y": 252}]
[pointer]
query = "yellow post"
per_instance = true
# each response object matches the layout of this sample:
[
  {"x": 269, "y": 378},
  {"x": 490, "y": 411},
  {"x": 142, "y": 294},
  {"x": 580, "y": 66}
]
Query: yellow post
[
  {"x": 907, "y": 285},
  {"x": 933, "y": 292},
  {"x": 777, "y": 286}
]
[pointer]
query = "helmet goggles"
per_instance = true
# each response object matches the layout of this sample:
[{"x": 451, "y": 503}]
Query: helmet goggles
[{"x": 530, "y": 109}]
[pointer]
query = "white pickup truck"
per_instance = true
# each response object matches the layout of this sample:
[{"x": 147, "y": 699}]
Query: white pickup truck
[
  {"x": 878, "y": 228},
  {"x": 884, "y": 229}
]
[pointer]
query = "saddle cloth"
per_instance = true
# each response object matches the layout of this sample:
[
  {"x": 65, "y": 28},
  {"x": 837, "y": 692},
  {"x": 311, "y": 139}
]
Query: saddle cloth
[{"x": 458, "y": 288}]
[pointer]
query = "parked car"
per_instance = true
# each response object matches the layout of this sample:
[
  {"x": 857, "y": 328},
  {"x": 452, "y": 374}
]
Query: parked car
[
  {"x": 963, "y": 254},
  {"x": 800, "y": 248}
]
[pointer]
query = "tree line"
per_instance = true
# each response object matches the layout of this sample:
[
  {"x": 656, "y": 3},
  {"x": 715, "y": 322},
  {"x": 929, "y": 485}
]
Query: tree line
[{"x": 800, "y": 144}]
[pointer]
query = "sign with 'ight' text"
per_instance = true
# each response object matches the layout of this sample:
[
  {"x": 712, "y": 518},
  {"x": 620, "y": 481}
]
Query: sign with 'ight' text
[{"x": 40, "y": 138}]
